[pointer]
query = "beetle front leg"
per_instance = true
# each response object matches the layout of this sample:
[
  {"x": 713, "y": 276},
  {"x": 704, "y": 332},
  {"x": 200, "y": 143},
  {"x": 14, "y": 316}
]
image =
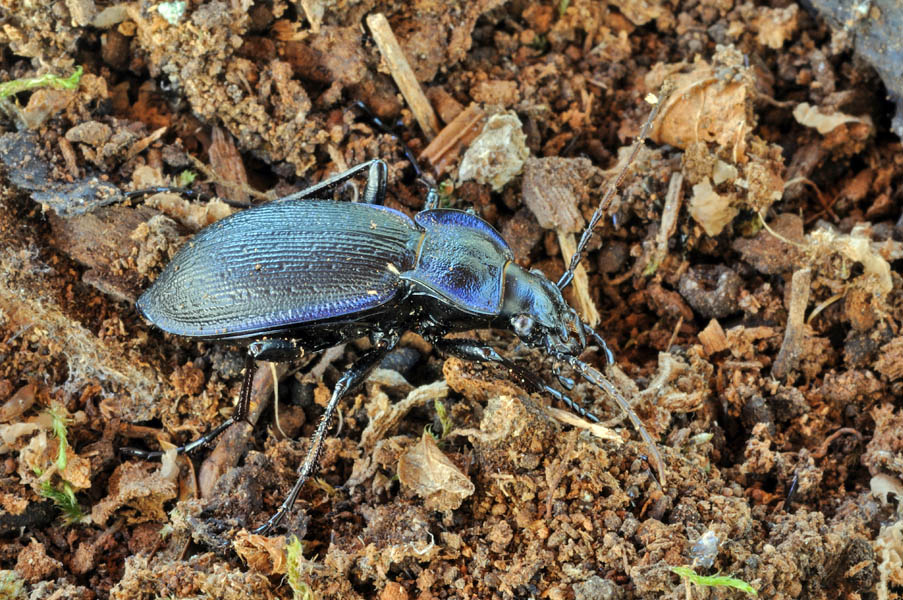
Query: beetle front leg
[
  {"x": 475, "y": 351},
  {"x": 350, "y": 380}
]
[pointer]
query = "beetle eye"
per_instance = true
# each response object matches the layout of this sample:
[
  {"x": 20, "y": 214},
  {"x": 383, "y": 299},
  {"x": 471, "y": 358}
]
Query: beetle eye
[{"x": 522, "y": 324}]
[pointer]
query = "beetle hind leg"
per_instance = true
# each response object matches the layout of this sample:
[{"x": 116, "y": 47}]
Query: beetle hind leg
[
  {"x": 240, "y": 414},
  {"x": 375, "y": 168},
  {"x": 350, "y": 380}
]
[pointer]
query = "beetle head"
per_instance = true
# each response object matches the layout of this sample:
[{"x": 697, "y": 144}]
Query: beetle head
[{"x": 536, "y": 311}]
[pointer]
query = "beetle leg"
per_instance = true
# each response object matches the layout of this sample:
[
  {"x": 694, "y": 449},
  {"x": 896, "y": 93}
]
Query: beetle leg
[
  {"x": 274, "y": 350},
  {"x": 432, "y": 197},
  {"x": 350, "y": 380},
  {"x": 240, "y": 414},
  {"x": 385, "y": 128},
  {"x": 475, "y": 351},
  {"x": 375, "y": 168},
  {"x": 609, "y": 356},
  {"x": 375, "y": 191}
]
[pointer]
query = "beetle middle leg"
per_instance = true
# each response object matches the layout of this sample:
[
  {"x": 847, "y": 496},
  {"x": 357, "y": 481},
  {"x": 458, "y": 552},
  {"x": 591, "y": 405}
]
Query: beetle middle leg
[
  {"x": 475, "y": 351},
  {"x": 352, "y": 378}
]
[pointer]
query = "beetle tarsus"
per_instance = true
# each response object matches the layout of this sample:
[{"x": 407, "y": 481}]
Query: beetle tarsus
[
  {"x": 188, "y": 448},
  {"x": 240, "y": 415}
]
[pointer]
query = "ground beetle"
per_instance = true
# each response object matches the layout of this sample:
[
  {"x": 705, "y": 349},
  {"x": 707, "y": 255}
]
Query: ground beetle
[{"x": 305, "y": 273}]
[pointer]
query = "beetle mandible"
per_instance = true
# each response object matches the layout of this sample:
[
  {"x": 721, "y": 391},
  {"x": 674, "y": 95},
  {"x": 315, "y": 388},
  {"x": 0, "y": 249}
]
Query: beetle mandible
[{"x": 305, "y": 273}]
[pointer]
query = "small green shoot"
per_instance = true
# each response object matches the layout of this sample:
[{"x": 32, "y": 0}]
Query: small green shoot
[
  {"x": 15, "y": 86},
  {"x": 294, "y": 555},
  {"x": 714, "y": 580},
  {"x": 11, "y": 585},
  {"x": 652, "y": 267},
  {"x": 186, "y": 178},
  {"x": 443, "y": 420},
  {"x": 58, "y": 422},
  {"x": 446, "y": 193},
  {"x": 64, "y": 499},
  {"x": 563, "y": 7},
  {"x": 749, "y": 227}
]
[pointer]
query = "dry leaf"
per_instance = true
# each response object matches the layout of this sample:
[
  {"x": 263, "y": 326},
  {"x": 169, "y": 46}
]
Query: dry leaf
[
  {"x": 432, "y": 476},
  {"x": 811, "y": 116},
  {"x": 263, "y": 554}
]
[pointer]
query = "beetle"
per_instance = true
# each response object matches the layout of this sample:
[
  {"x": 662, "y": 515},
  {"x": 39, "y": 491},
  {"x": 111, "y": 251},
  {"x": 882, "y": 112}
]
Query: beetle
[{"x": 305, "y": 273}]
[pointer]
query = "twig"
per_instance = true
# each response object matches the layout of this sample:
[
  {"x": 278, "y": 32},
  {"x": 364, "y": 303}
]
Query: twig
[
  {"x": 669, "y": 221},
  {"x": 443, "y": 150},
  {"x": 789, "y": 355},
  {"x": 403, "y": 74}
]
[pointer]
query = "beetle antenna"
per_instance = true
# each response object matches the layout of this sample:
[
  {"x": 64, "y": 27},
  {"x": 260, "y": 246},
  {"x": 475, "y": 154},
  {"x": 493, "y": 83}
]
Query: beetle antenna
[
  {"x": 609, "y": 194},
  {"x": 599, "y": 380},
  {"x": 386, "y": 128}
]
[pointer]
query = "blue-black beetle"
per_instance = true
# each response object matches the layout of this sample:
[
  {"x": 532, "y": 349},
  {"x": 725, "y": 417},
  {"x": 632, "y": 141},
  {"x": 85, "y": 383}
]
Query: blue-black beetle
[{"x": 305, "y": 273}]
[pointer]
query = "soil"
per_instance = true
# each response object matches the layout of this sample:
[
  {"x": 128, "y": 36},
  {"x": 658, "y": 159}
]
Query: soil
[{"x": 746, "y": 278}]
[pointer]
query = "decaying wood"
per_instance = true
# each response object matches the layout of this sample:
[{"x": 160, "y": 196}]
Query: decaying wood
[
  {"x": 226, "y": 162},
  {"x": 101, "y": 241},
  {"x": 403, "y": 74},
  {"x": 442, "y": 152},
  {"x": 789, "y": 355}
]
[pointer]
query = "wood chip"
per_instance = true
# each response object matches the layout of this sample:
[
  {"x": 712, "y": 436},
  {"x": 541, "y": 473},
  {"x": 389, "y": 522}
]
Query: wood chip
[
  {"x": 403, "y": 75},
  {"x": 789, "y": 355},
  {"x": 597, "y": 429},
  {"x": 713, "y": 338},
  {"x": 586, "y": 308},
  {"x": 443, "y": 151},
  {"x": 226, "y": 163},
  {"x": 143, "y": 144}
]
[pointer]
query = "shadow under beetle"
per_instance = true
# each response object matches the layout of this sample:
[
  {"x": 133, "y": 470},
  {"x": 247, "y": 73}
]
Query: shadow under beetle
[{"x": 304, "y": 274}]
